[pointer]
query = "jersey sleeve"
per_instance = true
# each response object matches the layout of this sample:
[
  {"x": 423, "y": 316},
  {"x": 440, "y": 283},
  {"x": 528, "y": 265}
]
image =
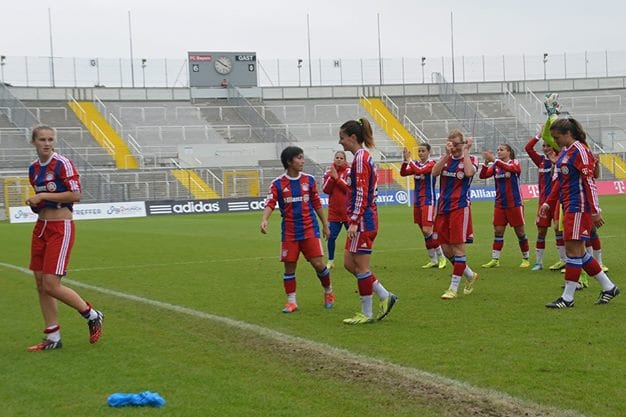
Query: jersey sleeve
[
  {"x": 272, "y": 196},
  {"x": 512, "y": 166},
  {"x": 486, "y": 171},
  {"x": 315, "y": 196},
  {"x": 70, "y": 176},
  {"x": 360, "y": 189},
  {"x": 534, "y": 155}
]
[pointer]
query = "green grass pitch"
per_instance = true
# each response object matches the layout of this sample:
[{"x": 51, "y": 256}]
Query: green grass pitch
[{"x": 189, "y": 272}]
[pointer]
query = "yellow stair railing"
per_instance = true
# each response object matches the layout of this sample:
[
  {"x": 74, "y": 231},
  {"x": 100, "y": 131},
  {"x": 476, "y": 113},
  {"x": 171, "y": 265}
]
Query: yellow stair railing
[
  {"x": 389, "y": 123},
  {"x": 196, "y": 185},
  {"x": 104, "y": 134},
  {"x": 615, "y": 164}
]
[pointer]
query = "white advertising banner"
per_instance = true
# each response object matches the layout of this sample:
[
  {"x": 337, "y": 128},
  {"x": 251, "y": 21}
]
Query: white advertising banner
[{"x": 23, "y": 214}]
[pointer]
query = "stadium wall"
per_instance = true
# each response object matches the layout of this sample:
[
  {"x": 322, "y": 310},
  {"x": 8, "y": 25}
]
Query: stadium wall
[{"x": 284, "y": 93}]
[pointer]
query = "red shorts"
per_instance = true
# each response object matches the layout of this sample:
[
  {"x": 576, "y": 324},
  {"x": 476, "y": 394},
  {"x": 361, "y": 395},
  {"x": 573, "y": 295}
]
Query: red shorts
[
  {"x": 513, "y": 216},
  {"x": 424, "y": 215},
  {"x": 362, "y": 243},
  {"x": 310, "y": 248},
  {"x": 577, "y": 226},
  {"x": 455, "y": 227},
  {"x": 546, "y": 221},
  {"x": 51, "y": 246}
]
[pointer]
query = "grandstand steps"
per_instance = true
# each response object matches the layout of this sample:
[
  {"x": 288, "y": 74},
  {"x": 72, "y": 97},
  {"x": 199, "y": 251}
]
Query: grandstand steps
[
  {"x": 614, "y": 164},
  {"x": 196, "y": 185},
  {"x": 104, "y": 134},
  {"x": 388, "y": 122}
]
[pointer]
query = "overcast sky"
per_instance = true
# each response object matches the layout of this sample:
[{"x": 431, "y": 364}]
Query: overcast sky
[{"x": 338, "y": 28}]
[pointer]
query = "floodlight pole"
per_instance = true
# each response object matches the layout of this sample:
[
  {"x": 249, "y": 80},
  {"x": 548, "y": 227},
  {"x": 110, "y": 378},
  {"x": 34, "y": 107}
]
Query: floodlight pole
[
  {"x": 130, "y": 37},
  {"x": 308, "y": 31},
  {"x": 51, "y": 47}
]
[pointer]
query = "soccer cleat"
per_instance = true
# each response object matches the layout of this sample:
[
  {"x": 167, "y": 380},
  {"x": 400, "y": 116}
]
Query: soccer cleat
[
  {"x": 605, "y": 268},
  {"x": 359, "y": 318},
  {"x": 557, "y": 266},
  {"x": 95, "y": 328},
  {"x": 537, "y": 267},
  {"x": 290, "y": 307},
  {"x": 45, "y": 345},
  {"x": 386, "y": 305},
  {"x": 449, "y": 294},
  {"x": 469, "y": 284},
  {"x": 329, "y": 300},
  {"x": 560, "y": 303},
  {"x": 442, "y": 262},
  {"x": 430, "y": 264},
  {"x": 606, "y": 296},
  {"x": 330, "y": 264},
  {"x": 494, "y": 263},
  {"x": 525, "y": 263}
]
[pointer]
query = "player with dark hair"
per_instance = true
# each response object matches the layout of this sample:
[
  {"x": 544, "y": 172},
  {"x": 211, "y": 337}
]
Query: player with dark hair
[
  {"x": 356, "y": 137},
  {"x": 57, "y": 187},
  {"x": 295, "y": 194},
  {"x": 576, "y": 189},
  {"x": 509, "y": 206},
  {"x": 424, "y": 200},
  {"x": 454, "y": 217}
]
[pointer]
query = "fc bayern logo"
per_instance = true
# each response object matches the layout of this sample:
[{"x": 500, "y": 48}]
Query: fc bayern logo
[
  {"x": 402, "y": 197},
  {"x": 49, "y": 176}
]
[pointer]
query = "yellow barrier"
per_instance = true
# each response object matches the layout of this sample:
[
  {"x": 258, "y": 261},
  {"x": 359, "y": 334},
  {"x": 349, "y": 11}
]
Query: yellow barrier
[
  {"x": 615, "y": 164},
  {"x": 196, "y": 185},
  {"x": 104, "y": 134}
]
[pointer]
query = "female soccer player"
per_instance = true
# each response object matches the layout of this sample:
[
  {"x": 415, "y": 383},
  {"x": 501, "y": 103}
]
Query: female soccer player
[
  {"x": 356, "y": 137},
  {"x": 545, "y": 164},
  {"x": 57, "y": 187},
  {"x": 295, "y": 193},
  {"x": 453, "y": 223},
  {"x": 576, "y": 190},
  {"x": 337, "y": 188},
  {"x": 424, "y": 200},
  {"x": 509, "y": 207}
]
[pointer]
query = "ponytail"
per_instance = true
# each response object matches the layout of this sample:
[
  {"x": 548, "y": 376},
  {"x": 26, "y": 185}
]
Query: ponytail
[{"x": 362, "y": 129}]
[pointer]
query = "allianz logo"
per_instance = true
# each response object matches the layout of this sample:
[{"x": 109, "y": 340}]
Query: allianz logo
[{"x": 196, "y": 207}]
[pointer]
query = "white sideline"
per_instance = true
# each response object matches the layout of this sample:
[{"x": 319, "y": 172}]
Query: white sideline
[{"x": 322, "y": 348}]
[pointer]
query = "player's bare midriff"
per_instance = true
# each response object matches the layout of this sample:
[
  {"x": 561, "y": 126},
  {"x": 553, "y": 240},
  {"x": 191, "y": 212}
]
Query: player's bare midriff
[{"x": 53, "y": 213}]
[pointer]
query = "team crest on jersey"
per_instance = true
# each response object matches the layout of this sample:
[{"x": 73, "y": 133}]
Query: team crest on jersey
[
  {"x": 305, "y": 187},
  {"x": 564, "y": 170},
  {"x": 460, "y": 175},
  {"x": 51, "y": 186},
  {"x": 507, "y": 175},
  {"x": 49, "y": 176}
]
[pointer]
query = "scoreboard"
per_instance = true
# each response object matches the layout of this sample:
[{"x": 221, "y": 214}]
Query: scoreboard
[{"x": 220, "y": 69}]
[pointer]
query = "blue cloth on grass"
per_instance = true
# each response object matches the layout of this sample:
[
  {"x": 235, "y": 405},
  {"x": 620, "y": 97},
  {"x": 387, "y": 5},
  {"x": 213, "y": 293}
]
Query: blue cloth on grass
[{"x": 146, "y": 398}]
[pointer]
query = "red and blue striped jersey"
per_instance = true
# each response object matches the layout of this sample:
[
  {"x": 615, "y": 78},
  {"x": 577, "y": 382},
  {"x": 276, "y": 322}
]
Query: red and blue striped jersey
[
  {"x": 338, "y": 191},
  {"x": 454, "y": 185},
  {"x": 545, "y": 169},
  {"x": 576, "y": 186},
  {"x": 55, "y": 176},
  {"x": 297, "y": 199},
  {"x": 363, "y": 182},
  {"x": 423, "y": 179},
  {"x": 506, "y": 179}
]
